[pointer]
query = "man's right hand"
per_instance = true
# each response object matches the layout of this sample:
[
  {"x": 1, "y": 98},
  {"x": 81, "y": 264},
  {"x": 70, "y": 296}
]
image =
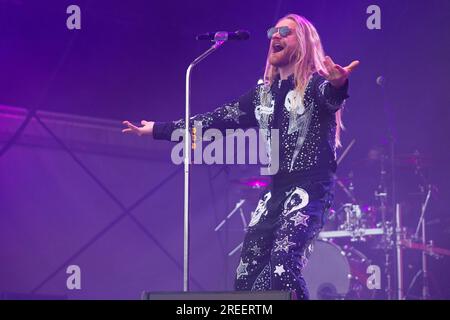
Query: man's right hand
[{"x": 145, "y": 129}]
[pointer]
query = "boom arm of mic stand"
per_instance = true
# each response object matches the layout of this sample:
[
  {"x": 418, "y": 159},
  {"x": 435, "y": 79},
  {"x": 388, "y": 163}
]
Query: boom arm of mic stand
[{"x": 187, "y": 160}]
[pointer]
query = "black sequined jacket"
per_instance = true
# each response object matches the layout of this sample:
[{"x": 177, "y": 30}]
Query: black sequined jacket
[{"x": 307, "y": 127}]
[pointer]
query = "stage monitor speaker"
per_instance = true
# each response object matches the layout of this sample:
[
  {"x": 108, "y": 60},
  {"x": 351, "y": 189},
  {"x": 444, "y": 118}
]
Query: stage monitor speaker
[{"x": 226, "y": 295}]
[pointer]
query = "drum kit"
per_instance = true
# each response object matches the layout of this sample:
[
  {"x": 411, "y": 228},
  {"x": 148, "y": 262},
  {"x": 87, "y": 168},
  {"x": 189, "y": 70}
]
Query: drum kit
[
  {"x": 359, "y": 253},
  {"x": 361, "y": 250}
]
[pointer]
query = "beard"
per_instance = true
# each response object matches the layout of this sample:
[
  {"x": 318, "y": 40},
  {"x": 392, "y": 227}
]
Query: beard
[{"x": 282, "y": 58}]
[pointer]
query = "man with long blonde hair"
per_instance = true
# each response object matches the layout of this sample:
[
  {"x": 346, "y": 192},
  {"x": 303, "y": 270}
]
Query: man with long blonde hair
[{"x": 301, "y": 96}]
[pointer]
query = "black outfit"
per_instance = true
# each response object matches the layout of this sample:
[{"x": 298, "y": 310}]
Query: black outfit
[{"x": 291, "y": 213}]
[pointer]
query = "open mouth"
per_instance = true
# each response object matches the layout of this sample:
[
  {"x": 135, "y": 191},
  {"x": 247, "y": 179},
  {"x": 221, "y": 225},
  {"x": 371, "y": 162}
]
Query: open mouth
[{"x": 277, "y": 47}]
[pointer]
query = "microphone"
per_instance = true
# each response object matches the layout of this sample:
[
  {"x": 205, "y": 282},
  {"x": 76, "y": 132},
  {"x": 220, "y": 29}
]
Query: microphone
[
  {"x": 224, "y": 35},
  {"x": 381, "y": 81}
]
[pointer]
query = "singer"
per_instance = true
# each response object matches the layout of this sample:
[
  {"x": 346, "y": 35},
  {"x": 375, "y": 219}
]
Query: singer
[{"x": 302, "y": 96}]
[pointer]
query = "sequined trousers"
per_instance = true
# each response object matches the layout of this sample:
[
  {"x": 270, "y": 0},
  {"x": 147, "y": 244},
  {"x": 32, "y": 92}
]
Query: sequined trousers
[{"x": 280, "y": 238}]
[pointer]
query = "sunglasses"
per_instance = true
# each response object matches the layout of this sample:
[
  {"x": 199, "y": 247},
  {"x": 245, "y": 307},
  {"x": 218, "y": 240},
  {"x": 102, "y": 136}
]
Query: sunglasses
[{"x": 283, "y": 31}]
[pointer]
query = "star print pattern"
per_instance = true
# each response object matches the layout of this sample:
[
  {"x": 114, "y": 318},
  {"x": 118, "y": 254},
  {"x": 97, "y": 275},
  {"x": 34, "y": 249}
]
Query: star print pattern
[
  {"x": 300, "y": 218},
  {"x": 233, "y": 113},
  {"x": 241, "y": 269},
  {"x": 278, "y": 247},
  {"x": 283, "y": 245},
  {"x": 279, "y": 270},
  {"x": 263, "y": 280},
  {"x": 256, "y": 250}
]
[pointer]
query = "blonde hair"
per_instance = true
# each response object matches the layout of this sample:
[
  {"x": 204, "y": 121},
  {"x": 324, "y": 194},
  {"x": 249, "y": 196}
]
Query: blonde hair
[{"x": 308, "y": 58}]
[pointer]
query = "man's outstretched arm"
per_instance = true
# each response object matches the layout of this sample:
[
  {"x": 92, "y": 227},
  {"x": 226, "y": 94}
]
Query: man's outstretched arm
[{"x": 237, "y": 114}]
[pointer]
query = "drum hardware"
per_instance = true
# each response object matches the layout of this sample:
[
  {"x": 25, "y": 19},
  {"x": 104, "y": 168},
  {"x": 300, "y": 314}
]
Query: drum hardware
[
  {"x": 386, "y": 242},
  {"x": 236, "y": 208},
  {"x": 415, "y": 242},
  {"x": 354, "y": 235},
  {"x": 348, "y": 191},
  {"x": 399, "y": 237},
  {"x": 428, "y": 249},
  {"x": 422, "y": 225},
  {"x": 353, "y": 217},
  {"x": 356, "y": 222}
]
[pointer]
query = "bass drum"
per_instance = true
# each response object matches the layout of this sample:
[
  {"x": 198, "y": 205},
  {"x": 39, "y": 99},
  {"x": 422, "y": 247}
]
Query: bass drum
[{"x": 337, "y": 273}]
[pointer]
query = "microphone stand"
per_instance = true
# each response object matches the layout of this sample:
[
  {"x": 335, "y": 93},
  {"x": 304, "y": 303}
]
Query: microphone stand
[{"x": 219, "y": 40}]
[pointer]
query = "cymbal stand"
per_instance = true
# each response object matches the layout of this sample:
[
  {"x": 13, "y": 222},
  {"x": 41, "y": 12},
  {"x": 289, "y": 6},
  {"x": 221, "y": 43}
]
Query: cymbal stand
[
  {"x": 424, "y": 269},
  {"x": 386, "y": 242}
]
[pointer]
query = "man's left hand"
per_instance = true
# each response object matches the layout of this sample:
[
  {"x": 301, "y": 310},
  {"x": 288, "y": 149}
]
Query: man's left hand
[{"x": 336, "y": 74}]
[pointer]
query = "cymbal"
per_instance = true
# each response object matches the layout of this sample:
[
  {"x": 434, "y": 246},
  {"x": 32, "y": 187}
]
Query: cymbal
[
  {"x": 410, "y": 160},
  {"x": 413, "y": 160},
  {"x": 252, "y": 182}
]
